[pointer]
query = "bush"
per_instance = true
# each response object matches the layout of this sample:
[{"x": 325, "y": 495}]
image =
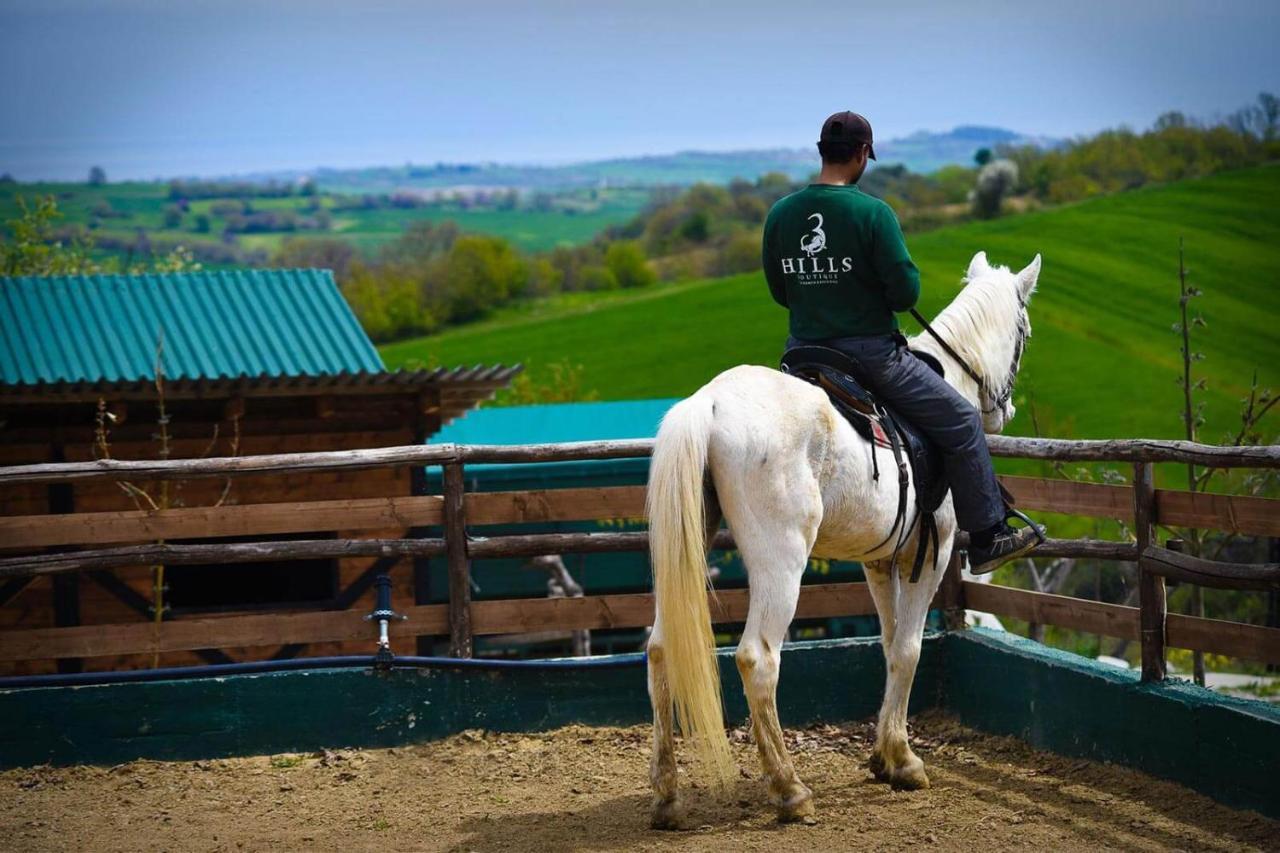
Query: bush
[
  {"x": 740, "y": 254},
  {"x": 598, "y": 278},
  {"x": 626, "y": 261},
  {"x": 481, "y": 273}
]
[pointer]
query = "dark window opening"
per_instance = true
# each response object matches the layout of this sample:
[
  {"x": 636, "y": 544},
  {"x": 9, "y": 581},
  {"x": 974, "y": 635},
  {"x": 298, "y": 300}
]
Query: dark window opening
[{"x": 260, "y": 585}]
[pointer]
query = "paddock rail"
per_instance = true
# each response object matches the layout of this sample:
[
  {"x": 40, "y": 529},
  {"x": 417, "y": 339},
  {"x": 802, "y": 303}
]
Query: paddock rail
[{"x": 141, "y": 537}]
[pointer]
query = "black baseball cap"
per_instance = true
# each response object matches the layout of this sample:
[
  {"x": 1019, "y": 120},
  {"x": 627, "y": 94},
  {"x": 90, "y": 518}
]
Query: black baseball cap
[{"x": 848, "y": 127}]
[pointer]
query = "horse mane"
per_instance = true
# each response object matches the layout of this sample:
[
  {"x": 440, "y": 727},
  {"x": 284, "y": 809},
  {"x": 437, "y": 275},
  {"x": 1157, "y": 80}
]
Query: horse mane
[{"x": 986, "y": 324}]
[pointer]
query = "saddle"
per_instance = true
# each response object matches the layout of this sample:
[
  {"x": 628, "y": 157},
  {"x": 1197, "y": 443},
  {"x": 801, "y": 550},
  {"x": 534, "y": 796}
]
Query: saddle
[{"x": 839, "y": 376}]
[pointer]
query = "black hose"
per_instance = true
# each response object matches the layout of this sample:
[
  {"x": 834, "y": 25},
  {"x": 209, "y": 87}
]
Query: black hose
[{"x": 85, "y": 679}]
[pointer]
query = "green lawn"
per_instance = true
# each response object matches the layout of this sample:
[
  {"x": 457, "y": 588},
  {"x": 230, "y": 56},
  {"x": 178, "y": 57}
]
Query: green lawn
[{"x": 1102, "y": 359}]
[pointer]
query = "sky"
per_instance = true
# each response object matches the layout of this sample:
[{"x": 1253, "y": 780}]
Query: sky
[{"x": 158, "y": 88}]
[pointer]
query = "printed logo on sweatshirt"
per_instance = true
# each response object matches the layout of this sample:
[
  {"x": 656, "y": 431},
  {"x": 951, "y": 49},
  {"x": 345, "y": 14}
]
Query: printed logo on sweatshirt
[
  {"x": 813, "y": 269},
  {"x": 816, "y": 240}
]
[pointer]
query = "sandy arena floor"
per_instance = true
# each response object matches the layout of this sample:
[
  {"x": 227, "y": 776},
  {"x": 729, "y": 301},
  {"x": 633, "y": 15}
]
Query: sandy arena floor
[{"x": 585, "y": 789}]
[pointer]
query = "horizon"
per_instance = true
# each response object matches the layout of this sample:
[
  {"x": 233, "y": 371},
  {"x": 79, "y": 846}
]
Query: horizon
[{"x": 150, "y": 90}]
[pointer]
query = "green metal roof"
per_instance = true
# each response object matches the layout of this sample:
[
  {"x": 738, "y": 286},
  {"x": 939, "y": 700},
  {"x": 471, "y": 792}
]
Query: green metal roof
[{"x": 214, "y": 325}]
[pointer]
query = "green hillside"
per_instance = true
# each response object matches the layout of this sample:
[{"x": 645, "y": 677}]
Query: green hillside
[
  {"x": 1102, "y": 360},
  {"x": 116, "y": 212}
]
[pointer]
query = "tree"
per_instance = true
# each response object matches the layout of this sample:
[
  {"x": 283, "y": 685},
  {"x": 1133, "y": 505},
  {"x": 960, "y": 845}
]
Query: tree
[
  {"x": 481, "y": 273},
  {"x": 173, "y": 217},
  {"x": 1268, "y": 115},
  {"x": 97, "y": 177},
  {"x": 202, "y": 223},
  {"x": 316, "y": 253},
  {"x": 31, "y": 247},
  {"x": 628, "y": 264},
  {"x": 995, "y": 181},
  {"x": 982, "y": 156}
]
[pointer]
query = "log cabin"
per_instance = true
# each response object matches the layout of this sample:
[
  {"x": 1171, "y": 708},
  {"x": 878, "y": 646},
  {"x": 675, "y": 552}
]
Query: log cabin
[{"x": 192, "y": 365}]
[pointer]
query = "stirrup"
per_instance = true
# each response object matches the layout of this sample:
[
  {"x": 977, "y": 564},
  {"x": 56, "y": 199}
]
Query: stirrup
[{"x": 1038, "y": 529}]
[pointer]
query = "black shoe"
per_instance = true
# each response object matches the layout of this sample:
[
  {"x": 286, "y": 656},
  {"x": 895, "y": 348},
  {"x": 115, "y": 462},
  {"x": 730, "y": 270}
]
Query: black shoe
[{"x": 1007, "y": 544}]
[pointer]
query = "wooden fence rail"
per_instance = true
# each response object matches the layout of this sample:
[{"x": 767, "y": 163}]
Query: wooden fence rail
[
  {"x": 1115, "y": 450},
  {"x": 456, "y": 512},
  {"x": 1233, "y": 514}
]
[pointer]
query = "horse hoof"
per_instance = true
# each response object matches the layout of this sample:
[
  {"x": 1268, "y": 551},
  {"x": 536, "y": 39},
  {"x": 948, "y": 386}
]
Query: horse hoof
[
  {"x": 878, "y": 768},
  {"x": 666, "y": 815},
  {"x": 909, "y": 777},
  {"x": 798, "y": 808}
]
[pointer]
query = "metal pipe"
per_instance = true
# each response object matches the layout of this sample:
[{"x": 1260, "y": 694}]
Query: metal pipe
[{"x": 177, "y": 673}]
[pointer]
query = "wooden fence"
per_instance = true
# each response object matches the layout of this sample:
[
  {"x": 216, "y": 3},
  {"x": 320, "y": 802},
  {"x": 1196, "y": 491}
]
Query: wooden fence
[{"x": 132, "y": 537}]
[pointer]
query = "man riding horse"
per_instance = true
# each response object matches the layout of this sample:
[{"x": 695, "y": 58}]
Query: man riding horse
[
  {"x": 780, "y": 460},
  {"x": 842, "y": 281}
]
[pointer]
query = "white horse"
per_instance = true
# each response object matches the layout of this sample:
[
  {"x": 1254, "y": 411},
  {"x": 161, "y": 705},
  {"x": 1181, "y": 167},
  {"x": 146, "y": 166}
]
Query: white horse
[{"x": 792, "y": 478}]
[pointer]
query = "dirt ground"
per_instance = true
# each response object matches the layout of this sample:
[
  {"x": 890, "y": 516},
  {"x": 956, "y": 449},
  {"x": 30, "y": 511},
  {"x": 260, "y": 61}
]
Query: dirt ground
[{"x": 579, "y": 789}]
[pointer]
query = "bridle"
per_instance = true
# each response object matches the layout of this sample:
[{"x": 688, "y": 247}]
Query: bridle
[{"x": 998, "y": 401}]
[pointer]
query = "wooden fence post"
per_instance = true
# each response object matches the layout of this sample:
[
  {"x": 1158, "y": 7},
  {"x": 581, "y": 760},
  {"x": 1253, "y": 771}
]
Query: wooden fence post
[
  {"x": 1151, "y": 595},
  {"x": 455, "y": 537},
  {"x": 952, "y": 589}
]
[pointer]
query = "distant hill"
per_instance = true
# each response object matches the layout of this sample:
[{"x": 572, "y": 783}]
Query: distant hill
[
  {"x": 1101, "y": 361},
  {"x": 926, "y": 151},
  {"x": 923, "y": 151}
]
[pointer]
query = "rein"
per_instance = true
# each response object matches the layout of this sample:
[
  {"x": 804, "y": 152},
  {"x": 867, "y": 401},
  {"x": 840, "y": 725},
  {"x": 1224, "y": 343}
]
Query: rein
[
  {"x": 973, "y": 374},
  {"x": 997, "y": 403}
]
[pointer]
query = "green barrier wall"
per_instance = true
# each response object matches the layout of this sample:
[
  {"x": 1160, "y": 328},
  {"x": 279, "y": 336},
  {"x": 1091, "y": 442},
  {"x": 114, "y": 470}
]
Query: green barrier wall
[
  {"x": 1226, "y": 748},
  {"x": 306, "y": 710}
]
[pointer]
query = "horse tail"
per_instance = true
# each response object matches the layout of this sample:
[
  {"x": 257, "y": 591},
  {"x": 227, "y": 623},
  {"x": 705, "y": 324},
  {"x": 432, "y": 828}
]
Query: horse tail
[{"x": 677, "y": 529}]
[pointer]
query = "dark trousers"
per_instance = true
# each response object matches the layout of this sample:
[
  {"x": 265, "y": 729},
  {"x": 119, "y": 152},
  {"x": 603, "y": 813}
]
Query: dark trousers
[{"x": 913, "y": 390}]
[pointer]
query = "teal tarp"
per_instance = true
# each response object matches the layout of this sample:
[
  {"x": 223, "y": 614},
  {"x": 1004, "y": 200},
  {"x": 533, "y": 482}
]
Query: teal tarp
[{"x": 598, "y": 573}]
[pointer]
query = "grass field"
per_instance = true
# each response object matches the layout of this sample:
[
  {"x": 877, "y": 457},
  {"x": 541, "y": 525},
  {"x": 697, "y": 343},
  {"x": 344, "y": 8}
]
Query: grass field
[
  {"x": 578, "y": 216},
  {"x": 1102, "y": 360}
]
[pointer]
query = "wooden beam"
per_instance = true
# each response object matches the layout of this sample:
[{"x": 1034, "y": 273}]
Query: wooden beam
[
  {"x": 1095, "y": 500},
  {"x": 496, "y": 547},
  {"x": 951, "y": 593},
  {"x": 1088, "y": 549},
  {"x": 1135, "y": 450},
  {"x": 1112, "y": 620},
  {"x": 1230, "y": 513},
  {"x": 1248, "y": 515},
  {"x": 1170, "y": 563},
  {"x": 1116, "y": 450},
  {"x": 611, "y": 611},
  {"x": 1151, "y": 592},
  {"x": 582, "y": 504},
  {"x": 234, "y": 552},
  {"x": 489, "y": 617},
  {"x": 333, "y": 460},
  {"x": 636, "y": 611},
  {"x": 461, "y": 643},
  {"x": 100, "y": 528},
  {"x": 272, "y": 629},
  {"x": 1251, "y": 642}
]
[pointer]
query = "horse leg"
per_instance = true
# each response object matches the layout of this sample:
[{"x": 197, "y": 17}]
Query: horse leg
[
  {"x": 898, "y": 764},
  {"x": 882, "y": 581},
  {"x": 759, "y": 657},
  {"x": 662, "y": 761}
]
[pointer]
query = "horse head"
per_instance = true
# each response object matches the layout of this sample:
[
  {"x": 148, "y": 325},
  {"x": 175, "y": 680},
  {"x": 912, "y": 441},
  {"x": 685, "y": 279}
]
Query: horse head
[{"x": 988, "y": 325}]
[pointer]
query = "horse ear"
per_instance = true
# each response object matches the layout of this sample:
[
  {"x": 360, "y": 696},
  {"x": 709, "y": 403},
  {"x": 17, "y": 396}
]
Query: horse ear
[
  {"x": 1027, "y": 278},
  {"x": 978, "y": 266}
]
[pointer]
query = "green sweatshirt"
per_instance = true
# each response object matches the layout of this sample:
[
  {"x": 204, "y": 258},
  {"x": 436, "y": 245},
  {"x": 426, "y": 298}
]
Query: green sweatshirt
[{"x": 835, "y": 256}]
